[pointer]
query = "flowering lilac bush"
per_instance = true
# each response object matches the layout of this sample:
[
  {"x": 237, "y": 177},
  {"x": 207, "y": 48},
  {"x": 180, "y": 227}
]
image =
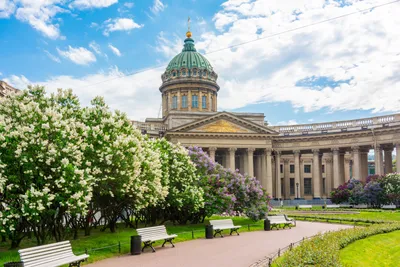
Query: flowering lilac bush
[
  {"x": 341, "y": 194},
  {"x": 227, "y": 191}
]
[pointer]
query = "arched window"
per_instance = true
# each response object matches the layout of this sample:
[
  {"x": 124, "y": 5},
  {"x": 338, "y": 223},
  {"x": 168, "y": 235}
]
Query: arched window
[
  {"x": 195, "y": 101},
  {"x": 174, "y": 102},
  {"x": 204, "y": 102},
  {"x": 184, "y": 101}
]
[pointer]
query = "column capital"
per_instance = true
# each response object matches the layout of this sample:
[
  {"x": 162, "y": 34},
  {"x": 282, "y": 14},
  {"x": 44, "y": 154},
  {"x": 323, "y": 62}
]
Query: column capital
[
  {"x": 212, "y": 149},
  {"x": 268, "y": 151},
  {"x": 329, "y": 160},
  {"x": 286, "y": 161},
  {"x": 315, "y": 151},
  {"x": 251, "y": 150},
  {"x": 355, "y": 149},
  {"x": 278, "y": 152},
  {"x": 232, "y": 149},
  {"x": 335, "y": 149},
  {"x": 377, "y": 147},
  {"x": 296, "y": 152}
]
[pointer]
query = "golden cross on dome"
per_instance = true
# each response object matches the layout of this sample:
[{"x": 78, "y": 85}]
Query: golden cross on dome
[{"x": 188, "y": 34}]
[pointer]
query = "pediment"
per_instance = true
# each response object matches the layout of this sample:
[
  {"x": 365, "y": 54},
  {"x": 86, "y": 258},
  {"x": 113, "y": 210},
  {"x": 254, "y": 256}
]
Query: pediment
[
  {"x": 221, "y": 126},
  {"x": 224, "y": 122}
]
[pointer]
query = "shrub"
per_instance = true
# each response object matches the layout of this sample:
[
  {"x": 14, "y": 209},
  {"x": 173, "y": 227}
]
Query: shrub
[{"x": 323, "y": 250}]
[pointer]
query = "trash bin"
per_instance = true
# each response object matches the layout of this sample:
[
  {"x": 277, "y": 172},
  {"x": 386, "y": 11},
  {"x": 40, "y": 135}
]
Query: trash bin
[
  {"x": 267, "y": 225},
  {"x": 209, "y": 232},
  {"x": 14, "y": 264},
  {"x": 136, "y": 245}
]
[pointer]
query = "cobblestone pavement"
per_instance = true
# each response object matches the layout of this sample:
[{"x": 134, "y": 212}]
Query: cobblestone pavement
[{"x": 231, "y": 251}]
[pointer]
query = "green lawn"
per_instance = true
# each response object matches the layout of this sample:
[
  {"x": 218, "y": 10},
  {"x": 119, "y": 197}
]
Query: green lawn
[
  {"x": 378, "y": 250},
  {"x": 103, "y": 239}
]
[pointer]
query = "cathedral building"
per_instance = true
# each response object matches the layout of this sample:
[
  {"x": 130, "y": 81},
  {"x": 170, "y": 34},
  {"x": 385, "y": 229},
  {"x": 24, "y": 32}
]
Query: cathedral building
[{"x": 291, "y": 162}]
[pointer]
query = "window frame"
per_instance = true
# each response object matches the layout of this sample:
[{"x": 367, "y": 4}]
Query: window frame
[{"x": 184, "y": 103}]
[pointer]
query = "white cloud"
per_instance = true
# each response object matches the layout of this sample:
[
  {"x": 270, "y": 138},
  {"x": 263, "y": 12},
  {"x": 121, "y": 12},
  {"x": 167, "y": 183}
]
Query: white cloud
[
  {"x": 120, "y": 24},
  {"x": 7, "y": 8},
  {"x": 129, "y": 4},
  {"x": 85, "y": 4},
  {"x": 289, "y": 122},
  {"x": 40, "y": 15},
  {"x": 361, "y": 49},
  {"x": 94, "y": 25},
  {"x": 157, "y": 7},
  {"x": 52, "y": 57},
  {"x": 169, "y": 48},
  {"x": 78, "y": 55},
  {"x": 134, "y": 95},
  {"x": 95, "y": 47},
  {"x": 114, "y": 50},
  {"x": 1, "y": 74}
]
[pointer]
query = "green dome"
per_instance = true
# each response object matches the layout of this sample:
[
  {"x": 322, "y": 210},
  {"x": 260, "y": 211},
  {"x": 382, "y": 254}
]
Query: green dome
[
  {"x": 189, "y": 64},
  {"x": 189, "y": 58}
]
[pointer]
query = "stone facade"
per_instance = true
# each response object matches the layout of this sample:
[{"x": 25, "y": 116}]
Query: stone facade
[{"x": 5, "y": 89}]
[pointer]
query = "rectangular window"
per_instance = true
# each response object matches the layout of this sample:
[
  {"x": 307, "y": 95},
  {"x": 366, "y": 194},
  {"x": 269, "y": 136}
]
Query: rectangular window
[
  {"x": 204, "y": 102},
  {"x": 307, "y": 168},
  {"x": 307, "y": 186},
  {"x": 282, "y": 187},
  {"x": 184, "y": 101},
  {"x": 291, "y": 168},
  {"x": 195, "y": 103},
  {"x": 292, "y": 186},
  {"x": 281, "y": 168},
  {"x": 323, "y": 168},
  {"x": 174, "y": 102},
  {"x": 323, "y": 186}
]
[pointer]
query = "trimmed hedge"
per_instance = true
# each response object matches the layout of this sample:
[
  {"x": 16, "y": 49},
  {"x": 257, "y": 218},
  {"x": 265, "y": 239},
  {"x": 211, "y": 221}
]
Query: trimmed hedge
[
  {"x": 323, "y": 250},
  {"x": 340, "y": 219}
]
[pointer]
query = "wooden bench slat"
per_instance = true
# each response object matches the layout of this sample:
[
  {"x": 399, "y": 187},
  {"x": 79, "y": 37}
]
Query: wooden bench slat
[
  {"x": 44, "y": 246},
  {"x": 45, "y": 250}
]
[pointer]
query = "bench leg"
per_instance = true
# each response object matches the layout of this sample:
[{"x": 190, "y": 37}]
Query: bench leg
[
  {"x": 234, "y": 230},
  {"x": 168, "y": 240},
  {"x": 76, "y": 264},
  {"x": 148, "y": 244},
  {"x": 218, "y": 232}
]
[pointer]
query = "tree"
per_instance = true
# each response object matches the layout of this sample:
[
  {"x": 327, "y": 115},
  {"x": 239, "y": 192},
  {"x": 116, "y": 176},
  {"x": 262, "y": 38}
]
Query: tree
[
  {"x": 185, "y": 197},
  {"x": 391, "y": 187},
  {"x": 42, "y": 170}
]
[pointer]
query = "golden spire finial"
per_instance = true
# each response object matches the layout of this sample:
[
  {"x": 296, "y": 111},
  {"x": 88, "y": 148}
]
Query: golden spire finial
[{"x": 188, "y": 33}]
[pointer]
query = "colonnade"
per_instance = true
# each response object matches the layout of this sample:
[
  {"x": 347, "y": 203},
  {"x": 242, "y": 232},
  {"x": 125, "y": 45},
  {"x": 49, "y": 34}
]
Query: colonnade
[{"x": 303, "y": 173}]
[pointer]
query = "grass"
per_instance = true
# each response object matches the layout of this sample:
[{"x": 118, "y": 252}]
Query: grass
[
  {"x": 366, "y": 215},
  {"x": 99, "y": 239},
  {"x": 378, "y": 250}
]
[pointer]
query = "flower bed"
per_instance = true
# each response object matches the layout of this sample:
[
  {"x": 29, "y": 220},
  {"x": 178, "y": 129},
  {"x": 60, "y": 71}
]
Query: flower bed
[{"x": 324, "y": 249}]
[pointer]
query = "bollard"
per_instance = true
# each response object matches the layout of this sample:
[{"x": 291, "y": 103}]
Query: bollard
[
  {"x": 267, "y": 225},
  {"x": 136, "y": 243},
  {"x": 119, "y": 247},
  {"x": 279, "y": 252}
]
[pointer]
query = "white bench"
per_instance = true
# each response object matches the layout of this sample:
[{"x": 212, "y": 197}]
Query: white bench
[
  {"x": 51, "y": 255},
  {"x": 345, "y": 206},
  {"x": 305, "y": 206},
  {"x": 220, "y": 225},
  {"x": 152, "y": 234},
  {"x": 360, "y": 206},
  {"x": 332, "y": 206},
  {"x": 277, "y": 220},
  {"x": 389, "y": 207}
]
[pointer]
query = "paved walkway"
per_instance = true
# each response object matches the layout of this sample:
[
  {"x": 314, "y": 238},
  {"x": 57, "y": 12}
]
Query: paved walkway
[{"x": 231, "y": 251}]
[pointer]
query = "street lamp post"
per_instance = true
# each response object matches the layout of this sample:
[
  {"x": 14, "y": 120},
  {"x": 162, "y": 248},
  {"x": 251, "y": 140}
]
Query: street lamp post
[{"x": 297, "y": 185}]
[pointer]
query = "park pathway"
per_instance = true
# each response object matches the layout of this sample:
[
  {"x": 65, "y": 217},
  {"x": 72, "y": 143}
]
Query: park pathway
[{"x": 230, "y": 251}]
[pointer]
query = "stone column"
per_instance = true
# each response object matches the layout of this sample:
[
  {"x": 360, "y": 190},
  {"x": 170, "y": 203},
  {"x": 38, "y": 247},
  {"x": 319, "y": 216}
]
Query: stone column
[
  {"x": 329, "y": 174},
  {"x": 286, "y": 178},
  {"x": 346, "y": 169},
  {"x": 212, "y": 151},
  {"x": 209, "y": 101},
  {"x": 388, "y": 160},
  {"x": 297, "y": 173},
  {"x": 356, "y": 163},
  {"x": 179, "y": 100},
  {"x": 317, "y": 175},
  {"x": 378, "y": 160},
  {"x": 336, "y": 167},
  {"x": 250, "y": 163},
  {"x": 189, "y": 100},
  {"x": 268, "y": 159},
  {"x": 278, "y": 174},
  {"x": 232, "y": 153},
  {"x": 301, "y": 178},
  {"x": 398, "y": 157},
  {"x": 364, "y": 165}
]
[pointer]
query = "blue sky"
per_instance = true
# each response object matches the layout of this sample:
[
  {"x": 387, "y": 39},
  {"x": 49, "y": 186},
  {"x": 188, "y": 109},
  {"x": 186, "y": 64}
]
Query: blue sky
[{"x": 344, "y": 69}]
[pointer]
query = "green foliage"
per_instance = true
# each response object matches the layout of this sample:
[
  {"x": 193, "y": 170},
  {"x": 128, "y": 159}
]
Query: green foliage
[{"x": 324, "y": 249}]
